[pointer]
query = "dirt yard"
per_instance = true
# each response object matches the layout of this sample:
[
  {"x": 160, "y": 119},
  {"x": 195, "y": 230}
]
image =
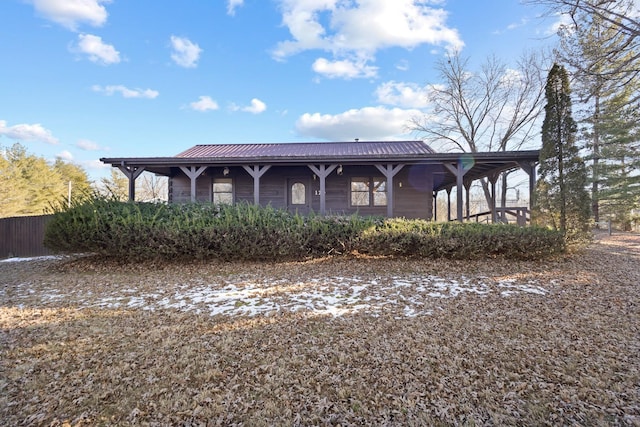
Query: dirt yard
[{"x": 356, "y": 341}]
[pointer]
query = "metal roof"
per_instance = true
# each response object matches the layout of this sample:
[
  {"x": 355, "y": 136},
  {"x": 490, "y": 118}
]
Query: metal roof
[
  {"x": 477, "y": 165},
  {"x": 310, "y": 150}
]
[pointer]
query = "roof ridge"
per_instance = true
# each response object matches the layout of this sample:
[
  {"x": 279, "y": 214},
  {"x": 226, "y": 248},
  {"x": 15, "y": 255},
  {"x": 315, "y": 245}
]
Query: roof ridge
[{"x": 312, "y": 142}]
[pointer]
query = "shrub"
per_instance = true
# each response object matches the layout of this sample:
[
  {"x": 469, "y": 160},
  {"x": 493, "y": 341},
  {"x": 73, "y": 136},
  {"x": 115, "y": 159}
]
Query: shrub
[
  {"x": 143, "y": 231},
  {"x": 419, "y": 238}
]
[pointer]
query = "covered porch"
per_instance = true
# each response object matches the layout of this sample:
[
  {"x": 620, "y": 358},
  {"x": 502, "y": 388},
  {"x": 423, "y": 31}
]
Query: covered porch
[{"x": 408, "y": 174}]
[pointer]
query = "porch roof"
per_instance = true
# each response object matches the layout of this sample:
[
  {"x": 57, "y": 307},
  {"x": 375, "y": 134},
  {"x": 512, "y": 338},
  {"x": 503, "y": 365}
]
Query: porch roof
[{"x": 476, "y": 165}]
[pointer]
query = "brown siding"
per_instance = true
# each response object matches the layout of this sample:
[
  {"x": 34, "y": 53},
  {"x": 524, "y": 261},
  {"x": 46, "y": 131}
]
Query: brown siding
[
  {"x": 415, "y": 198},
  {"x": 412, "y": 189},
  {"x": 23, "y": 236}
]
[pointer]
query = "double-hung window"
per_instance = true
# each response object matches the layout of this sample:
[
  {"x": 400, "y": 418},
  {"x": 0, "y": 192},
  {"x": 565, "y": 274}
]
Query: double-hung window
[
  {"x": 368, "y": 191},
  {"x": 223, "y": 191}
]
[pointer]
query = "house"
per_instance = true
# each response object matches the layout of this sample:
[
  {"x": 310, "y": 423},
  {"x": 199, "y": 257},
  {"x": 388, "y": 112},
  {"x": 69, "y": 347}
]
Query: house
[{"x": 388, "y": 178}]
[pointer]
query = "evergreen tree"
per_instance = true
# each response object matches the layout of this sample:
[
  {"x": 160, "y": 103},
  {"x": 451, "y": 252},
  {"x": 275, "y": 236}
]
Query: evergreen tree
[
  {"x": 602, "y": 65},
  {"x": 30, "y": 185},
  {"x": 562, "y": 200},
  {"x": 620, "y": 160},
  {"x": 74, "y": 178},
  {"x": 116, "y": 186}
]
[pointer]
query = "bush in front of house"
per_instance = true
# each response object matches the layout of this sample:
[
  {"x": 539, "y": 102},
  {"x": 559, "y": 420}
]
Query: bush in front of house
[
  {"x": 454, "y": 240},
  {"x": 142, "y": 231},
  {"x": 147, "y": 231}
]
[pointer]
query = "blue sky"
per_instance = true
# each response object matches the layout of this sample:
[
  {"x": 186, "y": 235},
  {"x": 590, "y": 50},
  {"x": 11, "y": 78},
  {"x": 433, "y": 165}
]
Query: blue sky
[{"x": 84, "y": 79}]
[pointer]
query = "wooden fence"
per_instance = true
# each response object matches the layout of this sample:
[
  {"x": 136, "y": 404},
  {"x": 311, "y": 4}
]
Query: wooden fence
[{"x": 22, "y": 236}]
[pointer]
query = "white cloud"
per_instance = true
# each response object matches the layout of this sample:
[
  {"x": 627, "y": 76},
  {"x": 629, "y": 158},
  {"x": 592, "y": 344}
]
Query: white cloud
[
  {"x": 369, "y": 123},
  {"x": 402, "y": 65},
  {"x": 27, "y": 132},
  {"x": 126, "y": 92},
  {"x": 406, "y": 95},
  {"x": 256, "y": 107},
  {"x": 88, "y": 145},
  {"x": 70, "y": 13},
  {"x": 232, "y": 5},
  {"x": 350, "y": 29},
  {"x": 512, "y": 26},
  {"x": 562, "y": 22},
  {"x": 94, "y": 164},
  {"x": 343, "y": 69},
  {"x": 185, "y": 52},
  {"x": 65, "y": 155},
  {"x": 204, "y": 103},
  {"x": 97, "y": 50}
]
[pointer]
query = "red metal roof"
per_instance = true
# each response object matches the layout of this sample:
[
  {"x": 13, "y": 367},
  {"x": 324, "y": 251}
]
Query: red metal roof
[{"x": 303, "y": 150}]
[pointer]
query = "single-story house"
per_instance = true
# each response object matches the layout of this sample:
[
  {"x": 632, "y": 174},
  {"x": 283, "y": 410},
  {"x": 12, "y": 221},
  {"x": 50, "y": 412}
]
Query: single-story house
[{"x": 388, "y": 178}]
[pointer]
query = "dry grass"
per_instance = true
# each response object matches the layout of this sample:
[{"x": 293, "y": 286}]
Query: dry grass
[{"x": 77, "y": 347}]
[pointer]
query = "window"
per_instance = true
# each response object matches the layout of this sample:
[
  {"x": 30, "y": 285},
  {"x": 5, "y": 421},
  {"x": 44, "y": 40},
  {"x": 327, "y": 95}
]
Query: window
[
  {"x": 360, "y": 192},
  {"x": 223, "y": 191},
  {"x": 368, "y": 191},
  {"x": 298, "y": 194},
  {"x": 379, "y": 192}
]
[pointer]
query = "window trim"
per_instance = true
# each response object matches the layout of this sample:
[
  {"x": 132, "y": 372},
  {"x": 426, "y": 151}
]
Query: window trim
[
  {"x": 222, "y": 181},
  {"x": 371, "y": 191},
  {"x": 304, "y": 193}
]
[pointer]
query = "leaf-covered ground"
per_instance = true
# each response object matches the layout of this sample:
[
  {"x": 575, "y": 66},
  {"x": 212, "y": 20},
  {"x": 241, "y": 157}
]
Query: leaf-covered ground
[{"x": 355, "y": 341}]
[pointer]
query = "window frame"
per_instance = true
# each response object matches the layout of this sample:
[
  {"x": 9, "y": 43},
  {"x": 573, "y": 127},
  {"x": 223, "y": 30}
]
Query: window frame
[
  {"x": 371, "y": 191},
  {"x": 230, "y": 193},
  {"x": 304, "y": 193}
]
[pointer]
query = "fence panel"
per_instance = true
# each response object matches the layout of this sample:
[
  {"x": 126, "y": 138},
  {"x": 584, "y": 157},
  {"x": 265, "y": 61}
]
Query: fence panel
[{"x": 22, "y": 236}]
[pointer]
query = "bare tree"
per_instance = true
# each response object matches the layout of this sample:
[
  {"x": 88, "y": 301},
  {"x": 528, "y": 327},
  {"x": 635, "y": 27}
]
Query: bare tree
[
  {"x": 495, "y": 109},
  {"x": 151, "y": 188},
  {"x": 616, "y": 58}
]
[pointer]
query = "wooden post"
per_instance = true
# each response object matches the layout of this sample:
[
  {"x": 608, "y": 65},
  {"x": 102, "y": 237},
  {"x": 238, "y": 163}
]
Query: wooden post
[
  {"x": 458, "y": 171},
  {"x": 256, "y": 171},
  {"x": 530, "y": 169},
  {"x": 467, "y": 190},
  {"x": 435, "y": 206},
  {"x": 493, "y": 178},
  {"x": 322, "y": 171},
  {"x": 193, "y": 172},
  {"x": 389, "y": 171},
  {"x": 449, "y": 204},
  {"x": 132, "y": 172}
]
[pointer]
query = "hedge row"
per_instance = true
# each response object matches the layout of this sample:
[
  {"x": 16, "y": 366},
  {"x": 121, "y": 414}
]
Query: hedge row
[{"x": 146, "y": 231}]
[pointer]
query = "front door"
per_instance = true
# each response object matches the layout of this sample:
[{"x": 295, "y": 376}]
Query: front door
[{"x": 299, "y": 195}]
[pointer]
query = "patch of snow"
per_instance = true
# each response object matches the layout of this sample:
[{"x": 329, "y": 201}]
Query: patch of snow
[
  {"x": 37, "y": 258},
  {"x": 411, "y": 296}
]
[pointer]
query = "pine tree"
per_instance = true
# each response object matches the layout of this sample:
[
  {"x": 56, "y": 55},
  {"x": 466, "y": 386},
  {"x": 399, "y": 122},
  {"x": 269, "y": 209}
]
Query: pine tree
[
  {"x": 561, "y": 200},
  {"x": 620, "y": 160},
  {"x": 30, "y": 185},
  {"x": 603, "y": 65}
]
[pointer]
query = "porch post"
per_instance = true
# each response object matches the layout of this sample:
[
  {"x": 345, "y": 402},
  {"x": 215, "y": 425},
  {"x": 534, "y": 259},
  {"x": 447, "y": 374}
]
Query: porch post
[
  {"x": 458, "y": 171},
  {"x": 322, "y": 171},
  {"x": 449, "y": 204},
  {"x": 193, "y": 172},
  {"x": 530, "y": 169},
  {"x": 435, "y": 206},
  {"x": 493, "y": 178},
  {"x": 467, "y": 190},
  {"x": 131, "y": 172},
  {"x": 389, "y": 171},
  {"x": 256, "y": 171}
]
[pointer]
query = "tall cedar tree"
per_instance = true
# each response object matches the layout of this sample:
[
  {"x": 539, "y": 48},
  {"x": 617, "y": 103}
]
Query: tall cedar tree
[{"x": 562, "y": 199}]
